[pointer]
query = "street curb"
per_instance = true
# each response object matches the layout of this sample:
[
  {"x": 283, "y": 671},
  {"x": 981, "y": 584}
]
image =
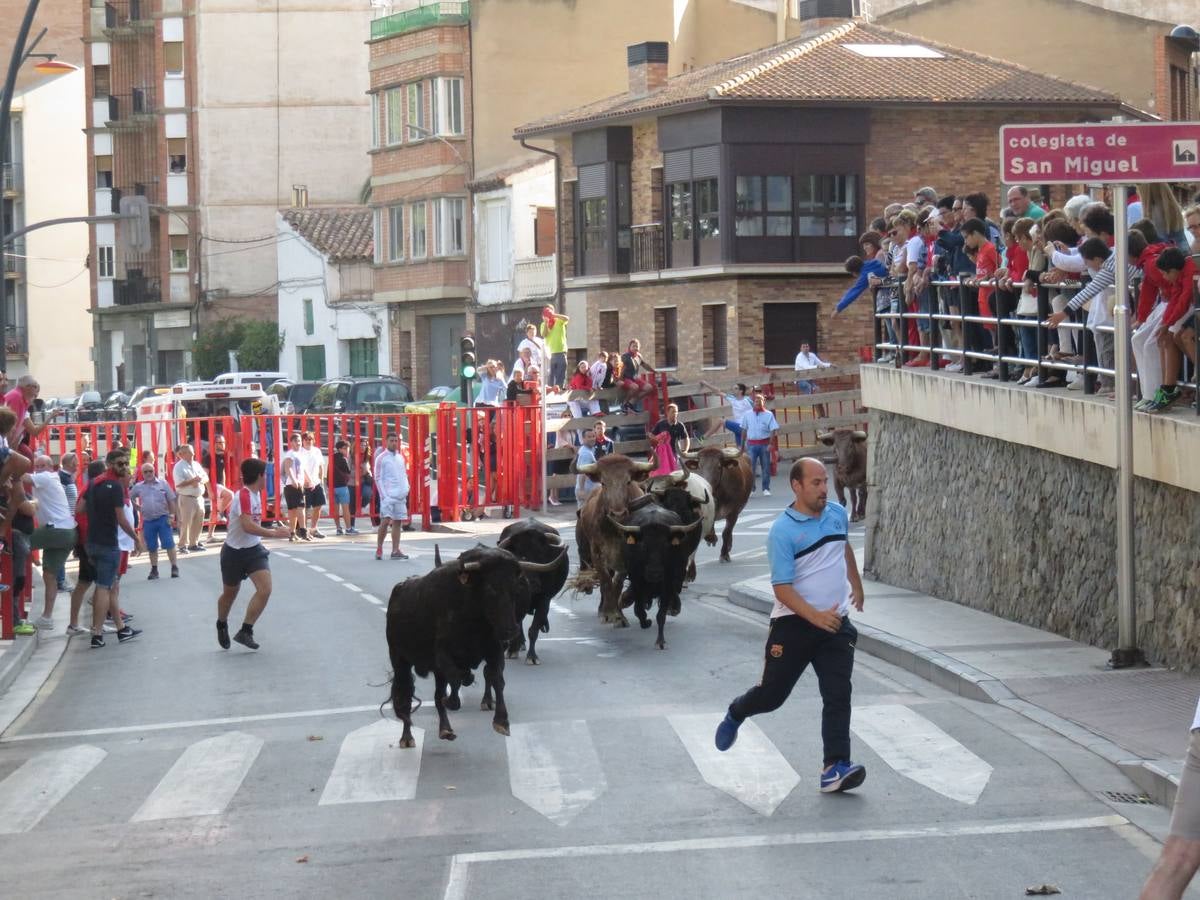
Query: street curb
[
  {"x": 1154, "y": 776},
  {"x": 16, "y": 658}
]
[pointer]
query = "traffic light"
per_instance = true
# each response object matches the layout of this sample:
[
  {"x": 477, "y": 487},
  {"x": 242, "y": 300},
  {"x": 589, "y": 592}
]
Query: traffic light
[{"x": 467, "y": 361}]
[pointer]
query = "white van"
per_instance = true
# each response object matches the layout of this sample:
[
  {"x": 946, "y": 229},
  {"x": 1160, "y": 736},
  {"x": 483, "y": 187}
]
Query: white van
[
  {"x": 163, "y": 420},
  {"x": 266, "y": 379}
]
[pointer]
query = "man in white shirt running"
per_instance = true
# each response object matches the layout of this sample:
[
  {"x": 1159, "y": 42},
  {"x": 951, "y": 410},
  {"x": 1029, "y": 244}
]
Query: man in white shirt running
[
  {"x": 391, "y": 481},
  {"x": 244, "y": 556}
]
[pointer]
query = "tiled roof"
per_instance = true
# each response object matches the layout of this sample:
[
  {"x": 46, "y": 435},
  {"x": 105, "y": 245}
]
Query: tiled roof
[
  {"x": 820, "y": 68},
  {"x": 343, "y": 233}
]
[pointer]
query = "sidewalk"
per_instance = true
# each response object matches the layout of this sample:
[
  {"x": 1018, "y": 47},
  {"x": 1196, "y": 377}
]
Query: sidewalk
[{"x": 1138, "y": 719}]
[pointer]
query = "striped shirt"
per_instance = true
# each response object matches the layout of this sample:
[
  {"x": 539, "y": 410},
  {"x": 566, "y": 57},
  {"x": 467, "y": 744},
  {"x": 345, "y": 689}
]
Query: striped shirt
[
  {"x": 809, "y": 553},
  {"x": 245, "y": 501}
]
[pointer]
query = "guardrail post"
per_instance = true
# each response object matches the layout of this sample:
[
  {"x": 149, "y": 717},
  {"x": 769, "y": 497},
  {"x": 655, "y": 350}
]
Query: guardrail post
[
  {"x": 1043, "y": 313},
  {"x": 876, "y": 353},
  {"x": 447, "y": 462}
]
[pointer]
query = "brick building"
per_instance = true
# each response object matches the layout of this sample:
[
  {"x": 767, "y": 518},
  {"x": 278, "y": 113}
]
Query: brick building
[{"x": 709, "y": 214}]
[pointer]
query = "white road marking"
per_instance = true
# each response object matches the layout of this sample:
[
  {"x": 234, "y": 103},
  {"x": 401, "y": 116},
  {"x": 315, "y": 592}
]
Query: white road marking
[
  {"x": 332, "y": 577},
  {"x": 352, "y": 587},
  {"x": 553, "y": 768},
  {"x": 371, "y": 766},
  {"x": 752, "y": 772},
  {"x": 284, "y": 555},
  {"x": 203, "y": 779},
  {"x": 754, "y": 517},
  {"x": 314, "y": 567},
  {"x": 371, "y": 598},
  {"x": 41, "y": 783},
  {"x": 459, "y": 877},
  {"x": 919, "y": 750},
  {"x": 193, "y": 723}
]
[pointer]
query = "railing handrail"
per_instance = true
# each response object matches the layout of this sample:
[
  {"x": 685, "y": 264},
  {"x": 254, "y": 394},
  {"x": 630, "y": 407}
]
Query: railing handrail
[{"x": 420, "y": 17}]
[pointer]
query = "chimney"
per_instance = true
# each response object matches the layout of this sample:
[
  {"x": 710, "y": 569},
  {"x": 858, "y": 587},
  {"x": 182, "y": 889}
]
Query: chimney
[
  {"x": 826, "y": 13},
  {"x": 647, "y": 67}
]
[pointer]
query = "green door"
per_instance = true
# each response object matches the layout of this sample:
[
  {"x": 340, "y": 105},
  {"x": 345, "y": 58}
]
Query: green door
[{"x": 312, "y": 363}]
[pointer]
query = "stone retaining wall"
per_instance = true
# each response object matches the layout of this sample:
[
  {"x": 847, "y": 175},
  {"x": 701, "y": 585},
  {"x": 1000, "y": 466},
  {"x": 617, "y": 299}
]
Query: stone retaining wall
[{"x": 1030, "y": 535}]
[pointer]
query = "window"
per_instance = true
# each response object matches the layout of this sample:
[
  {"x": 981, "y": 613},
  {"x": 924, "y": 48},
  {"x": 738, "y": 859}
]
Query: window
[
  {"x": 544, "y": 231},
  {"x": 177, "y": 154},
  {"x": 826, "y": 206},
  {"x": 420, "y": 247},
  {"x": 680, "y": 203},
  {"x": 364, "y": 356},
  {"x": 714, "y": 318},
  {"x": 595, "y": 224},
  {"x": 173, "y": 57},
  {"x": 395, "y": 233},
  {"x": 170, "y": 366},
  {"x": 1179, "y": 90},
  {"x": 106, "y": 265},
  {"x": 309, "y": 326},
  {"x": 707, "y": 210},
  {"x": 101, "y": 81},
  {"x": 693, "y": 205},
  {"x": 394, "y": 100},
  {"x": 374, "y": 120},
  {"x": 785, "y": 327},
  {"x": 312, "y": 365},
  {"x": 450, "y": 236},
  {"x": 495, "y": 240},
  {"x": 447, "y": 99},
  {"x": 417, "y": 129},
  {"x": 179, "y": 253},
  {"x": 666, "y": 337},
  {"x": 104, "y": 172},
  {"x": 610, "y": 329},
  {"x": 764, "y": 206},
  {"x": 377, "y": 236}
]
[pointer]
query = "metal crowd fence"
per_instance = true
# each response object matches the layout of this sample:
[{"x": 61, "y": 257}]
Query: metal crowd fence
[{"x": 992, "y": 343}]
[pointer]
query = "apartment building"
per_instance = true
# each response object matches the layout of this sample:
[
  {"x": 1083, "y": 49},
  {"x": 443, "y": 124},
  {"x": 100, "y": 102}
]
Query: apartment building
[
  {"x": 218, "y": 113},
  {"x": 463, "y": 214}
]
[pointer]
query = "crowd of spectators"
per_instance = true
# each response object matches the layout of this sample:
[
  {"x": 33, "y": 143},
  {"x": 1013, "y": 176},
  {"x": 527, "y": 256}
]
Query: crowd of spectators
[{"x": 945, "y": 255}]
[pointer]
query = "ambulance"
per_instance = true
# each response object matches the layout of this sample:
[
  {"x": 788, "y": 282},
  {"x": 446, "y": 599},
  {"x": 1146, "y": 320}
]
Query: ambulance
[{"x": 187, "y": 412}]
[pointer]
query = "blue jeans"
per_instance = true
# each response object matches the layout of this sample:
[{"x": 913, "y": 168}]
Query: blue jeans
[
  {"x": 760, "y": 455},
  {"x": 735, "y": 428},
  {"x": 1029, "y": 338}
]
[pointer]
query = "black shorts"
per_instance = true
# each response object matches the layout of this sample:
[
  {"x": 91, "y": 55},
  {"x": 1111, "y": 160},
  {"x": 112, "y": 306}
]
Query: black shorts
[
  {"x": 239, "y": 563},
  {"x": 87, "y": 572},
  {"x": 314, "y": 497},
  {"x": 293, "y": 496}
]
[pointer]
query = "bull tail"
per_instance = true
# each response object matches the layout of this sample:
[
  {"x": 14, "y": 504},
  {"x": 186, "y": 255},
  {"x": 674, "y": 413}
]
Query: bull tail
[
  {"x": 437, "y": 557},
  {"x": 397, "y": 699}
]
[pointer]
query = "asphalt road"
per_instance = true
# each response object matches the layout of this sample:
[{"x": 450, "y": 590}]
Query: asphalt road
[{"x": 170, "y": 768}]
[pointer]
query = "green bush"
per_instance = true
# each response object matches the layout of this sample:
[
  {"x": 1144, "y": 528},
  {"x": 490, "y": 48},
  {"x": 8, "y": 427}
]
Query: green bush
[{"x": 257, "y": 345}]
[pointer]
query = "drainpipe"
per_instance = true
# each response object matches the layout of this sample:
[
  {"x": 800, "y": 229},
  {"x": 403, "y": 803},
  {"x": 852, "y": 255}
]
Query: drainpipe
[{"x": 558, "y": 261}]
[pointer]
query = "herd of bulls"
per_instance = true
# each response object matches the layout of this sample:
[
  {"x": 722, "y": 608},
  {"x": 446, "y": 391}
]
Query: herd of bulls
[{"x": 637, "y": 538}]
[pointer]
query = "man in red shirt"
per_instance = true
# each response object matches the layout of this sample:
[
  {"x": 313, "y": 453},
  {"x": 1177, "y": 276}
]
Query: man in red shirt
[{"x": 987, "y": 261}]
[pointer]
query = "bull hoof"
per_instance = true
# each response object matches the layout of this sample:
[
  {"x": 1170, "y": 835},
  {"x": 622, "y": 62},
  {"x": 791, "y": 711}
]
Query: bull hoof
[
  {"x": 711, "y": 540},
  {"x": 725, "y": 558},
  {"x": 661, "y": 645},
  {"x": 501, "y": 728},
  {"x": 645, "y": 623},
  {"x": 447, "y": 734},
  {"x": 453, "y": 703},
  {"x": 621, "y": 622},
  {"x": 486, "y": 705},
  {"x": 532, "y": 660},
  {"x": 512, "y": 653},
  {"x": 407, "y": 743},
  {"x": 468, "y": 679}
]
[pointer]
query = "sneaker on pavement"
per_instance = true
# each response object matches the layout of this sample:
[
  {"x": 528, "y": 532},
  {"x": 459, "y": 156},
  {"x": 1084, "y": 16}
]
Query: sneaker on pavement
[
  {"x": 399, "y": 554},
  {"x": 379, "y": 554},
  {"x": 183, "y": 551},
  {"x": 223, "y": 635},
  {"x": 766, "y": 492},
  {"x": 339, "y": 532},
  {"x": 153, "y": 576},
  {"x": 24, "y": 628},
  {"x": 110, "y": 628},
  {"x": 842, "y": 776},
  {"x": 97, "y": 641},
  {"x": 727, "y": 732},
  {"x": 44, "y": 622},
  {"x": 317, "y": 534},
  {"x": 73, "y": 630},
  {"x": 174, "y": 571},
  {"x": 352, "y": 530},
  {"x": 245, "y": 637},
  {"x": 66, "y": 586},
  {"x": 196, "y": 548},
  {"x": 127, "y": 634},
  {"x": 954, "y": 367}
]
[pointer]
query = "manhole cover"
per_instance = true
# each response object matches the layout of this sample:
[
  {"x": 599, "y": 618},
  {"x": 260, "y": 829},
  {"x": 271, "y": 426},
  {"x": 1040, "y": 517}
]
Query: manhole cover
[{"x": 1123, "y": 797}]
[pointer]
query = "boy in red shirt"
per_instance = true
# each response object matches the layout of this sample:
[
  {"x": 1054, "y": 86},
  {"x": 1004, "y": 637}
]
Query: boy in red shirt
[{"x": 987, "y": 261}]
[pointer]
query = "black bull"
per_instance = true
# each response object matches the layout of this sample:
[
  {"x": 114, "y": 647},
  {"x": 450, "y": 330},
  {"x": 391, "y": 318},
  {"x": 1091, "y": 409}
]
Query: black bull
[
  {"x": 537, "y": 542},
  {"x": 447, "y": 622}
]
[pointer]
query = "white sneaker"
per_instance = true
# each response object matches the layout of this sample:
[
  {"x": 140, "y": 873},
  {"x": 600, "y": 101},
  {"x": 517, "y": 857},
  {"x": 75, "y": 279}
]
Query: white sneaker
[
  {"x": 766, "y": 493},
  {"x": 44, "y": 623},
  {"x": 109, "y": 628},
  {"x": 954, "y": 367},
  {"x": 75, "y": 629},
  {"x": 1076, "y": 385}
]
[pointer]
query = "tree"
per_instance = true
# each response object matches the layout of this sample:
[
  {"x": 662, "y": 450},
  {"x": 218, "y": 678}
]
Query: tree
[{"x": 257, "y": 345}]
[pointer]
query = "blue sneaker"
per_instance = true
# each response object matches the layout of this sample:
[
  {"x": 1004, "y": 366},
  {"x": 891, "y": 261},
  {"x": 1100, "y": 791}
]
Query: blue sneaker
[
  {"x": 842, "y": 776},
  {"x": 727, "y": 732}
]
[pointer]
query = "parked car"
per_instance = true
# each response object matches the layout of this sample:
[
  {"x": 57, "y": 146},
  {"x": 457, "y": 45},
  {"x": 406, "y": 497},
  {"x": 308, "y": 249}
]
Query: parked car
[
  {"x": 140, "y": 394},
  {"x": 358, "y": 395},
  {"x": 88, "y": 407},
  {"x": 294, "y": 396},
  {"x": 115, "y": 406},
  {"x": 266, "y": 379}
]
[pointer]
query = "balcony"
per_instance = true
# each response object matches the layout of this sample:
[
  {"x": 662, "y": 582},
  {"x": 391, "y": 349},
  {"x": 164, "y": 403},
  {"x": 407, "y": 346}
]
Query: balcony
[
  {"x": 534, "y": 278},
  {"x": 135, "y": 289},
  {"x": 11, "y": 179},
  {"x": 647, "y": 253},
  {"x": 129, "y": 108},
  {"x": 14, "y": 259},
  {"x": 16, "y": 341},
  {"x": 447, "y": 12},
  {"x": 125, "y": 17}
]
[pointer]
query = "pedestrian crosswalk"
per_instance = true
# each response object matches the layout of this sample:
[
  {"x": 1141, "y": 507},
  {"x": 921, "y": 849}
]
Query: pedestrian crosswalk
[{"x": 559, "y": 769}]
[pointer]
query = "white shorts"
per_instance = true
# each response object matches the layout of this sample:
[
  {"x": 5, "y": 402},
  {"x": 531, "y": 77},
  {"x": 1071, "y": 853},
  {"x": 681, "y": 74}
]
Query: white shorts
[{"x": 396, "y": 510}]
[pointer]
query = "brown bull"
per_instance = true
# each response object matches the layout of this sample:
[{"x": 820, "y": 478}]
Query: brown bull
[
  {"x": 600, "y": 542},
  {"x": 728, "y": 472},
  {"x": 850, "y": 472}
]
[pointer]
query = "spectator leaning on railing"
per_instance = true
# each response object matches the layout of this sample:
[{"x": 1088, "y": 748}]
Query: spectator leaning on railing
[
  {"x": 1191, "y": 217},
  {"x": 1148, "y": 319}
]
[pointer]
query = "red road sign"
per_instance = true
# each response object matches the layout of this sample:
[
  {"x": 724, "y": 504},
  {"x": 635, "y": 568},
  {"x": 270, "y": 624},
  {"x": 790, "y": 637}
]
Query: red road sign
[{"x": 1105, "y": 152}]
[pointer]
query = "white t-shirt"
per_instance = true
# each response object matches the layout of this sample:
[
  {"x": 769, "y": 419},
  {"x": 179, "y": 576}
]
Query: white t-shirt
[
  {"x": 124, "y": 541},
  {"x": 598, "y": 371},
  {"x": 391, "y": 476},
  {"x": 915, "y": 251},
  {"x": 53, "y": 509},
  {"x": 183, "y": 471},
  {"x": 536, "y": 350},
  {"x": 806, "y": 361},
  {"x": 293, "y": 467},
  {"x": 742, "y": 407},
  {"x": 314, "y": 465},
  {"x": 244, "y": 501}
]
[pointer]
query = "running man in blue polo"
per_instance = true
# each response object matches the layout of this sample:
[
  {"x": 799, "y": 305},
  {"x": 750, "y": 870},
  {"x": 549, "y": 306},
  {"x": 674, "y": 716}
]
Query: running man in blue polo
[{"x": 815, "y": 578}]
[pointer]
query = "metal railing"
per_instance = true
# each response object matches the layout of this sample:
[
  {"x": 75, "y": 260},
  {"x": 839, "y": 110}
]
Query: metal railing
[
  {"x": 10, "y": 177},
  {"x": 991, "y": 345},
  {"x": 14, "y": 259},
  {"x": 16, "y": 340},
  {"x": 648, "y": 253},
  {"x": 446, "y": 12},
  {"x": 534, "y": 277},
  {"x": 140, "y": 101},
  {"x": 133, "y": 290}
]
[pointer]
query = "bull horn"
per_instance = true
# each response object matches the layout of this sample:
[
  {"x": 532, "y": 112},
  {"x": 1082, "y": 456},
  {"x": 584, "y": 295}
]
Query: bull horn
[
  {"x": 707, "y": 499},
  {"x": 554, "y": 540},
  {"x": 503, "y": 543},
  {"x": 690, "y": 454},
  {"x": 639, "y": 466},
  {"x": 472, "y": 565},
  {"x": 731, "y": 452},
  {"x": 587, "y": 469},
  {"x": 627, "y": 529},
  {"x": 824, "y": 435},
  {"x": 684, "y": 529},
  {"x": 527, "y": 566},
  {"x": 859, "y": 435},
  {"x": 679, "y": 476}
]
